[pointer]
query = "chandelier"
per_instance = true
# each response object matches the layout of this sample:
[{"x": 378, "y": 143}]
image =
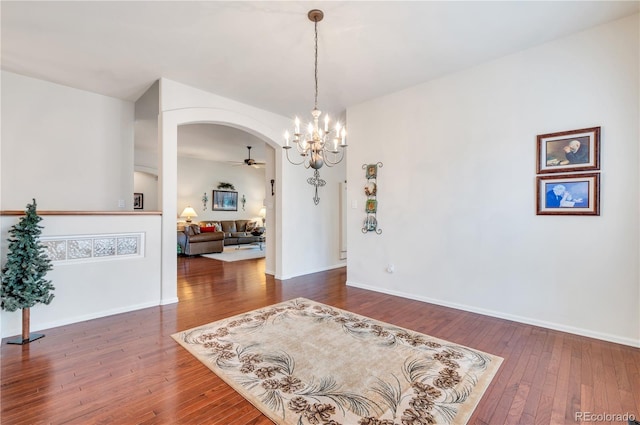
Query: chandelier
[{"x": 317, "y": 145}]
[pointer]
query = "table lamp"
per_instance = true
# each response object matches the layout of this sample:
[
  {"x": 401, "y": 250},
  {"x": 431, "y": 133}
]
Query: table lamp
[
  {"x": 263, "y": 214},
  {"x": 188, "y": 212}
]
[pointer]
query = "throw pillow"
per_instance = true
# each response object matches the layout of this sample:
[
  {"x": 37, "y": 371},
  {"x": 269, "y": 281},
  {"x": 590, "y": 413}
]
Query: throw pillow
[
  {"x": 217, "y": 226},
  {"x": 251, "y": 225},
  {"x": 208, "y": 229},
  {"x": 196, "y": 229}
]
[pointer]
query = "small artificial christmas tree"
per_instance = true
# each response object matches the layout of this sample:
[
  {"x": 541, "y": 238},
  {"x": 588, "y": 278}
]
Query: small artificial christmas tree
[{"x": 23, "y": 282}]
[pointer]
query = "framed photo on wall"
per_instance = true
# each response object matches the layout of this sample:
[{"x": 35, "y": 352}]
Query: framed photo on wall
[
  {"x": 224, "y": 200},
  {"x": 138, "y": 201},
  {"x": 569, "y": 194},
  {"x": 566, "y": 151}
]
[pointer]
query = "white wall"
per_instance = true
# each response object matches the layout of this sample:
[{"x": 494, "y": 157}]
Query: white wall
[
  {"x": 70, "y": 149},
  {"x": 456, "y": 195},
  {"x": 270, "y": 198},
  {"x": 147, "y": 108},
  {"x": 88, "y": 290},
  {"x": 197, "y": 177},
  {"x": 305, "y": 238},
  {"x": 147, "y": 184}
]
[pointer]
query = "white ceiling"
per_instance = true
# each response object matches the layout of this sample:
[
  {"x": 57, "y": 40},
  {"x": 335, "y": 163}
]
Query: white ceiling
[
  {"x": 219, "y": 143},
  {"x": 261, "y": 52}
]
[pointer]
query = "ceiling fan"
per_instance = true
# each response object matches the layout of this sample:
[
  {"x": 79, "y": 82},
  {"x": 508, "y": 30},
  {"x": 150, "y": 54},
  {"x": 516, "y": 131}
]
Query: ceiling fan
[{"x": 250, "y": 161}]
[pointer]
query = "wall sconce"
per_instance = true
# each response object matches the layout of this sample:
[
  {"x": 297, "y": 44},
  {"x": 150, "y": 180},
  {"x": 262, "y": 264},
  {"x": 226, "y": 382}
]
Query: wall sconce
[{"x": 205, "y": 199}]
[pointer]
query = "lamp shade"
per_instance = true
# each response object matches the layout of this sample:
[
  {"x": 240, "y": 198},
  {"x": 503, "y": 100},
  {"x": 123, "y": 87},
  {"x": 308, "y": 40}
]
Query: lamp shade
[
  {"x": 188, "y": 212},
  {"x": 263, "y": 212}
]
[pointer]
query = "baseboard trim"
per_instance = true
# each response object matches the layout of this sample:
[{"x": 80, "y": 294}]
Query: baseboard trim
[
  {"x": 321, "y": 269},
  {"x": 169, "y": 301},
  {"x": 39, "y": 327},
  {"x": 500, "y": 315}
]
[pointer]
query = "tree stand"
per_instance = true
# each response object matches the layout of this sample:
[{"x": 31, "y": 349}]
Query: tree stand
[{"x": 26, "y": 336}]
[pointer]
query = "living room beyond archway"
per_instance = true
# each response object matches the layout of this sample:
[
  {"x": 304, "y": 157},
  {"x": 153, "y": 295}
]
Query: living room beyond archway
[{"x": 218, "y": 162}]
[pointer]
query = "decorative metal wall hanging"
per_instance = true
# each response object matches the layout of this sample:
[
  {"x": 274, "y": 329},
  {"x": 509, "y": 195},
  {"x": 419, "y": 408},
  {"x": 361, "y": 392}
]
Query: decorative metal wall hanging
[
  {"x": 205, "y": 199},
  {"x": 244, "y": 201},
  {"x": 371, "y": 191}
]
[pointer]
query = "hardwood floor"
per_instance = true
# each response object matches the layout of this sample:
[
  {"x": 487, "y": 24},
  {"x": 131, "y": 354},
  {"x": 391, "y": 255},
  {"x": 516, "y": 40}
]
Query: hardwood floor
[{"x": 125, "y": 369}]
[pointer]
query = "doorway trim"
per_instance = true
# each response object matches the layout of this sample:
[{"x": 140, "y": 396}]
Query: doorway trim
[{"x": 168, "y": 182}]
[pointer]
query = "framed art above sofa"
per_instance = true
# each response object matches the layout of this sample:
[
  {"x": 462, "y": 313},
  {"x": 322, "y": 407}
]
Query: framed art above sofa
[{"x": 224, "y": 200}]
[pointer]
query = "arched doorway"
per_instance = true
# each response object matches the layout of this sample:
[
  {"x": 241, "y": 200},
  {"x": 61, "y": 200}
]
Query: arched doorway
[{"x": 169, "y": 122}]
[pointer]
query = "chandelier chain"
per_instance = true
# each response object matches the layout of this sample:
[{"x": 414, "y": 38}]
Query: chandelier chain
[{"x": 316, "y": 63}]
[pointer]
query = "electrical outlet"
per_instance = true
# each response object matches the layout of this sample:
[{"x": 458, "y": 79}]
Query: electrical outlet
[
  {"x": 120, "y": 203},
  {"x": 391, "y": 268},
  {"x": 354, "y": 204}
]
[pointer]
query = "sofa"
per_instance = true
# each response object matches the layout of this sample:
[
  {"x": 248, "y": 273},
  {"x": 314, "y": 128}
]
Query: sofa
[
  {"x": 208, "y": 237},
  {"x": 193, "y": 242},
  {"x": 236, "y": 232}
]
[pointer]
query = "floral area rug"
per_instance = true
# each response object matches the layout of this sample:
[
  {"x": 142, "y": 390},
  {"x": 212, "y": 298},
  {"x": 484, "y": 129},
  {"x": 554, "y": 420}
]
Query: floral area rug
[{"x": 301, "y": 362}]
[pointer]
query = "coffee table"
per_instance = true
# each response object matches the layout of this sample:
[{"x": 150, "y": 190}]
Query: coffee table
[{"x": 259, "y": 242}]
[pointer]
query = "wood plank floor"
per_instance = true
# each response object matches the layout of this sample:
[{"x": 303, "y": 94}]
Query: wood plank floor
[{"x": 125, "y": 369}]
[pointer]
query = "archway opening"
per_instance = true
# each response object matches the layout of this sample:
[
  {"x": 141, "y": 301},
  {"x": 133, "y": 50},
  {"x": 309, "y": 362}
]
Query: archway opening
[{"x": 170, "y": 121}]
